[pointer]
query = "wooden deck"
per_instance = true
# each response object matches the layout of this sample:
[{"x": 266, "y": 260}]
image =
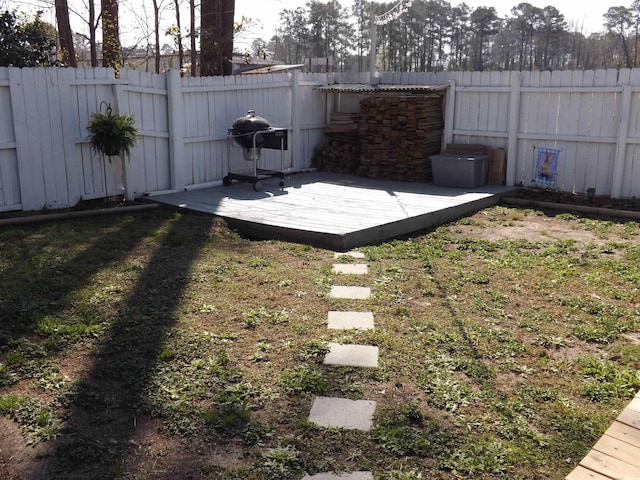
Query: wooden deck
[
  {"x": 335, "y": 211},
  {"x": 617, "y": 454}
]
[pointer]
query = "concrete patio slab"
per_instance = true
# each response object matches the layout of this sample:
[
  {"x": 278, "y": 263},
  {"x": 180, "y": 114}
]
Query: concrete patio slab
[
  {"x": 340, "y": 476},
  {"x": 349, "y": 355},
  {"x": 348, "y": 292},
  {"x": 343, "y": 413},
  {"x": 350, "y": 320},
  {"x": 350, "y": 268}
]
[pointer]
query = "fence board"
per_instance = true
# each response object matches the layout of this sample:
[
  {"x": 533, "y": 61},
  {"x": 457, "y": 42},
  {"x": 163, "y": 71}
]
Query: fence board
[
  {"x": 532, "y": 121},
  {"x": 574, "y": 79},
  {"x": 603, "y": 108},
  {"x": 54, "y": 155},
  {"x": 28, "y": 155},
  {"x": 9, "y": 180}
]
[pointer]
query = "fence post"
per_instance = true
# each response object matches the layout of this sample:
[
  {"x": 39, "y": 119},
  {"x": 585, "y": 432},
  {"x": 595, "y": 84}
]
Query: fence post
[
  {"x": 175, "y": 104},
  {"x": 127, "y": 172},
  {"x": 514, "y": 127},
  {"x": 296, "y": 116},
  {"x": 449, "y": 114},
  {"x": 621, "y": 144}
]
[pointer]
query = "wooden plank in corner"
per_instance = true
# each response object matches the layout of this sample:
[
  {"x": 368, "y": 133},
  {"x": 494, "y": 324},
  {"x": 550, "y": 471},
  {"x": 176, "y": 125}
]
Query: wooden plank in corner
[
  {"x": 624, "y": 432},
  {"x": 634, "y": 404},
  {"x": 619, "y": 449},
  {"x": 609, "y": 466},
  {"x": 629, "y": 417},
  {"x": 581, "y": 473}
]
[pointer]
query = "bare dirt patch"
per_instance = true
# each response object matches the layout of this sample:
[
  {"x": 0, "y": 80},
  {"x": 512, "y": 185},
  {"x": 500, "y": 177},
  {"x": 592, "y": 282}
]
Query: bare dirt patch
[
  {"x": 534, "y": 228},
  {"x": 18, "y": 459}
]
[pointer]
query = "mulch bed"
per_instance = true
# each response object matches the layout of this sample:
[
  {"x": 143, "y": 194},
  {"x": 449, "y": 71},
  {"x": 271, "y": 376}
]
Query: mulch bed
[{"x": 540, "y": 195}]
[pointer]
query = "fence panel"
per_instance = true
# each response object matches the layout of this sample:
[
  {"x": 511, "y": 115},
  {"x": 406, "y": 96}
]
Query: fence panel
[
  {"x": 94, "y": 91},
  {"x": 575, "y": 112},
  {"x": 481, "y": 112},
  {"x": 145, "y": 96}
]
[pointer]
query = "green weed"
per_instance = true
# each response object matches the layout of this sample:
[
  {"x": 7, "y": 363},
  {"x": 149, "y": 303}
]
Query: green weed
[
  {"x": 303, "y": 379},
  {"x": 397, "y": 433},
  {"x": 281, "y": 463},
  {"x": 37, "y": 421},
  {"x": 484, "y": 457},
  {"x": 312, "y": 350},
  {"x": 605, "y": 382}
]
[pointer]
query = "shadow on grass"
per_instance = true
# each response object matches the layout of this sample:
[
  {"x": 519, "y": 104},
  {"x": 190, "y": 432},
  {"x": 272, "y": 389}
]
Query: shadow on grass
[
  {"x": 38, "y": 282},
  {"x": 104, "y": 410}
]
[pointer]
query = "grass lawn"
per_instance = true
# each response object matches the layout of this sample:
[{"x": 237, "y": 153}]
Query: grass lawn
[{"x": 161, "y": 345}]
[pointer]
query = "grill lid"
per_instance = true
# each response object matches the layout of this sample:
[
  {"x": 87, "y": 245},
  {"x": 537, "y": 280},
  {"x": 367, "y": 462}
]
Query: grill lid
[{"x": 244, "y": 127}]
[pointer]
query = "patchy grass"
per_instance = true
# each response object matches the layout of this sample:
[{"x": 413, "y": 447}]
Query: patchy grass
[{"x": 162, "y": 345}]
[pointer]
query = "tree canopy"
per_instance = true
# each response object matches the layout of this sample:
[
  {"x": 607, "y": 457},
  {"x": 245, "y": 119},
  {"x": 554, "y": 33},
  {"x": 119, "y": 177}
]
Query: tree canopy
[
  {"x": 433, "y": 35},
  {"x": 437, "y": 35},
  {"x": 26, "y": 42}
]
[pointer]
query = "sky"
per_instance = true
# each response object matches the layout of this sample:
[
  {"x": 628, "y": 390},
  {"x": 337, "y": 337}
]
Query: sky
[{"x": 585, "y": 15}]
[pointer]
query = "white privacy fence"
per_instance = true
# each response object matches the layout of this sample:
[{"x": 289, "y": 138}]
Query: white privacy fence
[
  {"x": 591, "y": 118},
  {"x": 46, "y": 161}
]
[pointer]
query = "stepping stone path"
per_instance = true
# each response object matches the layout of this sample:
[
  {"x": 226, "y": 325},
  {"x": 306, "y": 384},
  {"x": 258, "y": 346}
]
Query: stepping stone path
[
  {"x": 350, "y": 320},
  {"x": 342, "y": 412},
  {"x": 352, "y": 254},
  {"x": 353, "y": 293},
  {"x": 348, "y": 269},
  {"x": 343, "y": 476},
  {"x": 352, "y": 355}
]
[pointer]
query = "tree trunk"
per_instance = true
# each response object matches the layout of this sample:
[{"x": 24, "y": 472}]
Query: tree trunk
[
  {"x": 64, "y": 33},
  {"x": 111, "y": 54},
  {"x": 156, "y": 33},
  {"x": 194, "y": 53},
  {"x": 92, "y": 33},
  {"x": 179, "y": 26},
  {"x": 216, "y": 37}
]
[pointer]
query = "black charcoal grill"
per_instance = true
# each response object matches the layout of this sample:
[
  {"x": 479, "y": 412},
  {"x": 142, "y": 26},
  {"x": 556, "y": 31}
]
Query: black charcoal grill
[{"x": 252, "y": 133}]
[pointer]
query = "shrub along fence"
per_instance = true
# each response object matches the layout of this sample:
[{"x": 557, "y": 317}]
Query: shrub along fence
[{"x": 590, "y": 120}]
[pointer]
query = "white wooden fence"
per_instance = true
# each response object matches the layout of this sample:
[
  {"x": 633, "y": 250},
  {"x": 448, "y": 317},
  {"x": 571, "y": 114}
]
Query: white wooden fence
[
  {"x": 46, "y": 161},
  {"x": 592, "y": 117}
]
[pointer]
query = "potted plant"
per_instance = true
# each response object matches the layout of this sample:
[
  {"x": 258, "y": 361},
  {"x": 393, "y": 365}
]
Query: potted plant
[{"x": 112, "y": 133}]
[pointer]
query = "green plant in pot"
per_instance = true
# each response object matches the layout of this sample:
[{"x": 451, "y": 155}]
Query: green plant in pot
[{"x": 112, "y": 134}]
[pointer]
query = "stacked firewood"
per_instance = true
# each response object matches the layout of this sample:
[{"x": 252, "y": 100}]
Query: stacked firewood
[
  {"x": 341, "y": 151},
  {"x": 397, "y": 135},
  {"x": 338, "y": 155}
]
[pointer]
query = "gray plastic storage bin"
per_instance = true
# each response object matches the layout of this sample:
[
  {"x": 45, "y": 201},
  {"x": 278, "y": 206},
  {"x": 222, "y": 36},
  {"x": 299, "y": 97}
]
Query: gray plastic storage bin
[{"x": 460, "y": 170}]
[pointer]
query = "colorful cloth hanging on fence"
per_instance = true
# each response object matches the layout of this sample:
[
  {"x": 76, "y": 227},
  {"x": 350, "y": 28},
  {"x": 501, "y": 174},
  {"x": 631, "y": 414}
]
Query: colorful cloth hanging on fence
[{"x": 547, "y": 166}]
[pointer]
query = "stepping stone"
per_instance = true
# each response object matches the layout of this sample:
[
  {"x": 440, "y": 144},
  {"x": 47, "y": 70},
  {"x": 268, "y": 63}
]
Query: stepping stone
[
  {"x": 341, "y": 476},
  {"x": 352, "y": 355},
  {"x": 350, "y": 254},
  {"x": 350, "y": 320},
  {"x": 354, "y": 293},
  {"x": 350, "y": 269},
  {"x": 343, "y": 413}
]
